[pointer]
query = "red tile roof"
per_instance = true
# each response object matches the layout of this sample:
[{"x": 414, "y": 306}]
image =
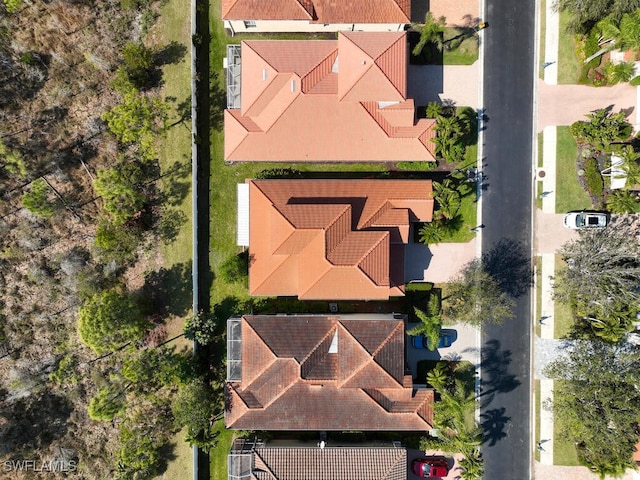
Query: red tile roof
[
  {"x": 332, "y": 239},
  {"x": 321, "y": 11},
  {"x": 327, "y": 100},
  {"x": 326, "y": 373},
  {"x": 329, "y": 463}
]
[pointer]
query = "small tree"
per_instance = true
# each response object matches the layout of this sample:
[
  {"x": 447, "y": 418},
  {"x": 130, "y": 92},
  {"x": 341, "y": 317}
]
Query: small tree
[
  {"x": 37, "y": 199},
  {"x": 138, "y": 64},
  {"x": 122, "y": 189},
  {"x": 195, "y": 407},
  {"x": 430, "y": 32},
  {"x": 201, "y": 327},
  {"x": 475, "y": 297},
  {"x": 117, "y": 243},
  {"x": 138, "y": 119},
  {"x": 110, "y": 319},
  {"x": 106, "y": 404},
  {"x": 429, "y": 326},
  {"x": 623, "y": 201},
  {"x": 601, "y": 129}
]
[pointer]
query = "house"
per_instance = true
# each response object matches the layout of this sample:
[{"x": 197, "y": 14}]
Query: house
[
  {"x": 330, "y": 239},
  {"x": 256, "y": 461},
  {"x": 315, "y": 15},
  {"x": 341, "y": 100},
  {"x": 323, "y": 373}
]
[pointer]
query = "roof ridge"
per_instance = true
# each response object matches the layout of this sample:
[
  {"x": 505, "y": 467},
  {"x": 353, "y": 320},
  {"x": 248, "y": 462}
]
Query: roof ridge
[
  {"x": 264, "y": 465},
  {"x": 363, "y": 364},
  {"x": 266, "y": 345},
  {"x": 322, "y": 63},
  {"x": 370, "y": 107},
  {"x": 383, "y": 54},
  {"x": 378, "y": 213},
  {"x": 331, "y": 332},
  {"x": 386, "y": 341},
  {"x": 366, "y": 257}
]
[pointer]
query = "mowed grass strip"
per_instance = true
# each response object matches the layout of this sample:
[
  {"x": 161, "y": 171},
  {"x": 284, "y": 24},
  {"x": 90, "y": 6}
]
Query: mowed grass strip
[{"x": 569, "y": 193}]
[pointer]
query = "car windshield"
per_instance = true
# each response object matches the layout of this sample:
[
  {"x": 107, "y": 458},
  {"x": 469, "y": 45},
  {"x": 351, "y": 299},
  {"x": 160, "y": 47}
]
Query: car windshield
[{"x": 580, "y": 220}]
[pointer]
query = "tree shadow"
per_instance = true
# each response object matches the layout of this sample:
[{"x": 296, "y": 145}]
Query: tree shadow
[
  {"x": 34, "y": 422},
  {"x": 168, "y": 290},
  {"x": 171, "y": 222},
  {"x": 493, "y": 425},
  {"x": 218, "y": 102},
  {"x": 176, "y": 184},
  {"x": 509, "y": 264},
  {"x": 495, "y": 371},
  {"x": 171, "y": 53}
]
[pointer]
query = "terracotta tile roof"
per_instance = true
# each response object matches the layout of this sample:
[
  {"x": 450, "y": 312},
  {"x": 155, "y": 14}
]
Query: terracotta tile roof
[
  {"x": 321, "y": 11},
  {"x": 339, "y": 463},
  {"x": 267, "y": 10},
  {"x": 332, "y": 239},
  {"x": 327, "y": 100},
  {"x": 327, "y": 373},
  {"x": 329, "y": 463}
]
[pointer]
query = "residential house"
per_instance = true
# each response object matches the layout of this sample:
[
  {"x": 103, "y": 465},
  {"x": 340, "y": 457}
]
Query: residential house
[
  {"x": 323, "y": 373},
  {"x": 330, "y": 239},
  {"x": 315, "y": 15},
  {"x": 249, "y": 461},
  {"x": 341, "y": 100}
]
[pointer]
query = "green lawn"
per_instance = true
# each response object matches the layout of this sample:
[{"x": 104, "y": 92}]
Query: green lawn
[
  {"x": 568, "y": 65},
  {"x": 563, "y": 318},
  {"x": 465, "y": 53},
  {"x": 569, "y": 194},
  {"x": 173, "y": 25},
  {"x": 564, "y": 450}
]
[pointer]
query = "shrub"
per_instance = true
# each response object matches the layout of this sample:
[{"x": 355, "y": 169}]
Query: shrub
[
  {"x": 36, "y": 200},
  {"x": 595, "y": 185},
  {"x": 117, "y": 242},
  {"x": 623, "y": 201},
  {"x": 235, "y": 268},
  {"x": 635, "y": 81},
  {"x": 417, "y": 166},
  {"x": 279, "y": 173}
]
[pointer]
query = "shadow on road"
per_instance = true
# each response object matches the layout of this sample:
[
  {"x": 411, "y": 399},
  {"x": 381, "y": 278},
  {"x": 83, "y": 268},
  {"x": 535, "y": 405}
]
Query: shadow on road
[
  {"x": 495, "y": 372},
  {"x": 494, "y": 425},
  {"x": 510, "y": 265}
]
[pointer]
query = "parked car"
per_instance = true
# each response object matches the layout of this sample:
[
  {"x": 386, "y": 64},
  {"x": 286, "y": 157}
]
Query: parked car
[
  {"x": 578, "y": 220},
  {"x": 430, "y": 467},
  {"x": 446, "y": 339}
]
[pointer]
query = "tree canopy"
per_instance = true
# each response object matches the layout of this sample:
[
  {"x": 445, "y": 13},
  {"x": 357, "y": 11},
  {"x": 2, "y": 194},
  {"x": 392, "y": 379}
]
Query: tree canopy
[
  {"x": 603, "y": 270},
  {"x": 475, "y": 297},
  {"x": 110, "y": 319},
  {"x": 139, "y": 119},
  {"x": 602, "y": 128},
  {"x": 37, "y": 201},
  {"x": 122, "y": 189},
  {"x": 586, "y": 13},
  {"x": 598, "y": 398}
]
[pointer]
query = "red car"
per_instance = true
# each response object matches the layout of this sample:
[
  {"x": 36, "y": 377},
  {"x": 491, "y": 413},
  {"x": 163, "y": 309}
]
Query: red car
[{"x": 430, "y": 467}]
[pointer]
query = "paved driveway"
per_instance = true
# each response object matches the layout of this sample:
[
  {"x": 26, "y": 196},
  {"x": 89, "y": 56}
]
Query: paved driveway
[
  {"x": 435, "y": 83},
  {"x": 550, "y": 233},
  {"x": 436, "y": 263},
  {"x": 565, "y": 104},
  {"x": 464, "y": 347}
]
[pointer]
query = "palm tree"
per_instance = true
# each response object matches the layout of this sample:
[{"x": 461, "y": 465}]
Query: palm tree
[
  {"x": 437, "y": 377},
  {"x": 429, "y": 326},
  {"x": 431, "y": 233},
  {"x": 631, "y": 166},
  {"x": 619, "y": 72},
  {"x": 448, "y": 198},
  {"x": 431, "y": 32},
  {"x": 623, "y": 34},
  {"x": 472, "y": 466},
  {"x": 623, "y": 201},
  {"x": 433, "y": 110}
]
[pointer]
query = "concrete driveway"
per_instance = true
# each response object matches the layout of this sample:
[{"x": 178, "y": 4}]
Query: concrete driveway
[
  {"x": 436, "y": 83},
  {"x": 565, "y": 104},
  {"x": 436, "y": 263},
  {"x": 465, "y": 347}
]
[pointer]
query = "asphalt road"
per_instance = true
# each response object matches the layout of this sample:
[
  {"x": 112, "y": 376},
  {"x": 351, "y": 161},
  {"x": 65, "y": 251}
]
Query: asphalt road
[{"x": 508, "y": 101}]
